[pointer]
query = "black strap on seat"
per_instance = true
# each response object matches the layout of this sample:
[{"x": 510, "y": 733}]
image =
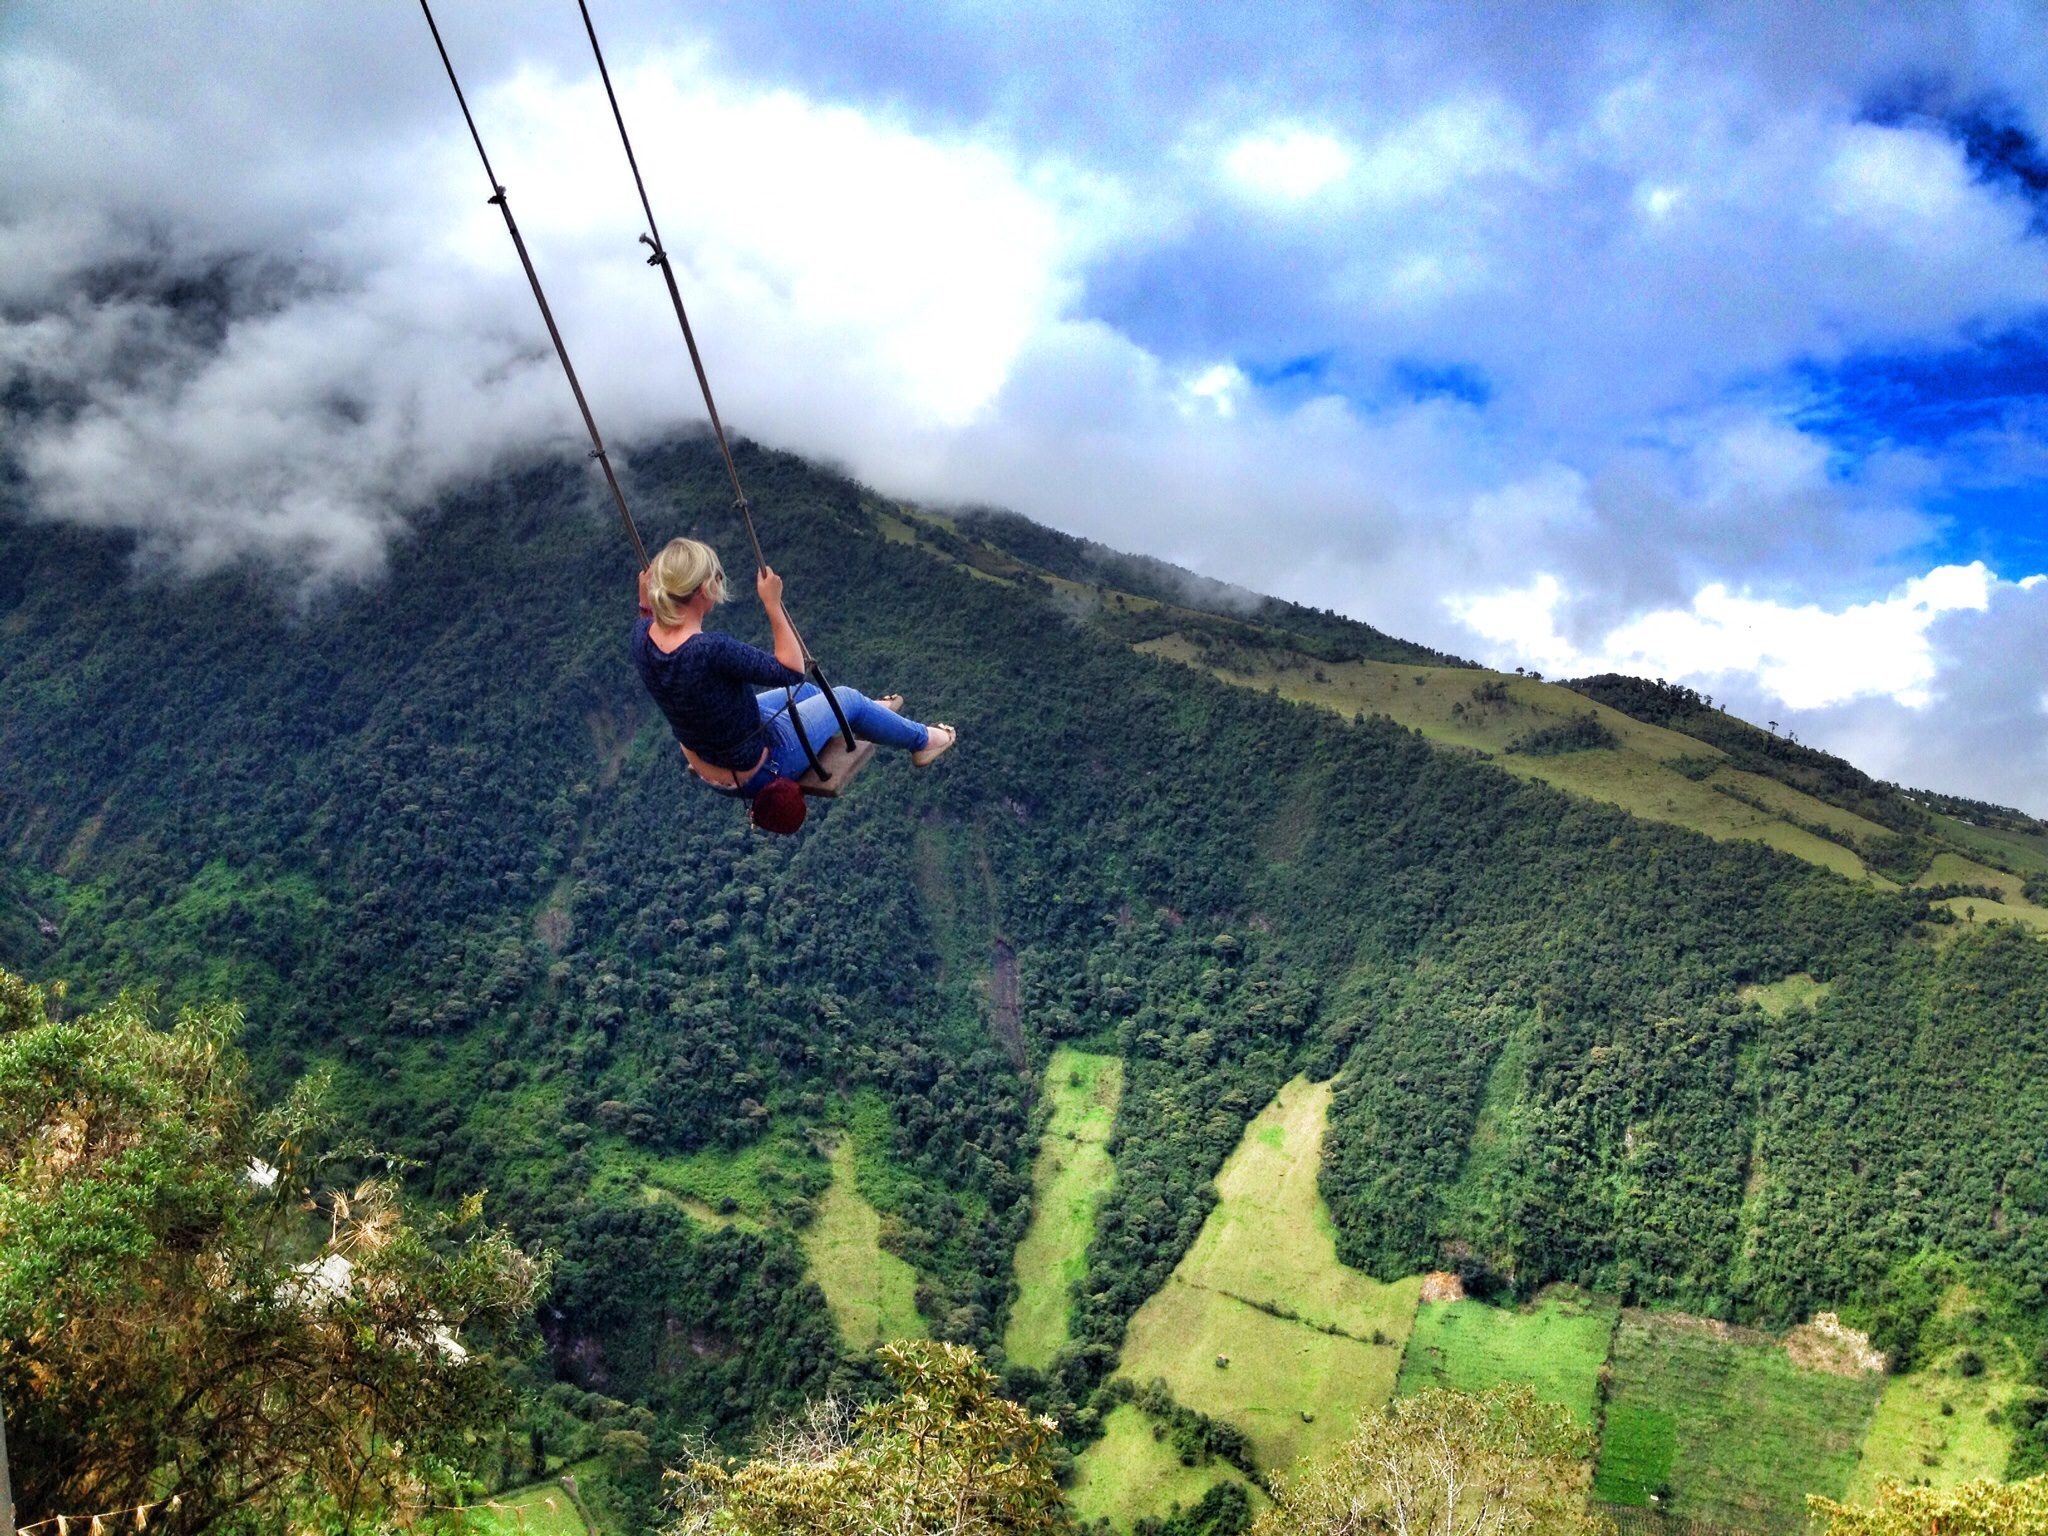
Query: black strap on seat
[{"x": 804, "y": 737}]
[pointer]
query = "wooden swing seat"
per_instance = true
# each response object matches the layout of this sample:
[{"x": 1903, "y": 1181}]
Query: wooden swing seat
[{"x": 840, "y": 765}]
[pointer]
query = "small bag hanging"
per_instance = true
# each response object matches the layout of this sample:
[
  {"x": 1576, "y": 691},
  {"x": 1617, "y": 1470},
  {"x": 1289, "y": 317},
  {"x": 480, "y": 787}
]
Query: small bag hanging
[{"x": 779, "y": 806}]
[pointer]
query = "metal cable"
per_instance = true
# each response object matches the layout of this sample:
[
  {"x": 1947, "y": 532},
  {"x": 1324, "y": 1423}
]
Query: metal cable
[
  {"x": 504, "y": 206},
  {"x": 659, "y": 258}
]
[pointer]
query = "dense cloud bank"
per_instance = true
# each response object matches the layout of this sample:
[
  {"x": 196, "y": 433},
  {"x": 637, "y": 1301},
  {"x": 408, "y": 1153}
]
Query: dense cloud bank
[{"x": 1569, "y": 342}]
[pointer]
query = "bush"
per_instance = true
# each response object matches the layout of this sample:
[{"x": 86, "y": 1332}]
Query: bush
[
  {"x": 1443, "y": 1461},
  {"x": 1582, "y": 733},
  {"x": 169, "y": 1322},
  {"x": 948, "y": 1455},
  {"x": 1981, "y": 1508}
]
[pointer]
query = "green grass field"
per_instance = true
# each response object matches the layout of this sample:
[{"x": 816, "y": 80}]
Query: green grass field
[
  {"x": 1068, "y": 1180},
  {"x": 747, "y": 1183},
  {"x": 1637, "y": 1451},
  {"x": 1934, "y": 1425},
  {"x": 1556, "y": 1345},
  {"x": 539, "y": 1509},
  {"x": 1777, "y": 998},
  {"x": 1262, "y": 1287},
  {"x": 1726, "y": 1425},
  {"x": 1128, "y": 1475},
  {"x": 1639, "y": 778},
  {"x": 872, "y": 1293}
]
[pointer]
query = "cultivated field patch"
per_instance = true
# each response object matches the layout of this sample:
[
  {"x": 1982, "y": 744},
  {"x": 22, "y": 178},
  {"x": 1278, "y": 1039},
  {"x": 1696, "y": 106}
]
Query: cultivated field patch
[
  {"x": 1739, "y": 1434},
  {"x": 871, "y": 1292},
  {"x": 1556, "y": 1345},
  {"x": 539, "y": 1509},
  {"x": 1260, "y": 1324},
  {"x": 1777, "y": 998},
  {"x": 1130, "y": 1474},
  {"x": 1485, "y": 712},
  {"x": 1072, "y": 1172}
]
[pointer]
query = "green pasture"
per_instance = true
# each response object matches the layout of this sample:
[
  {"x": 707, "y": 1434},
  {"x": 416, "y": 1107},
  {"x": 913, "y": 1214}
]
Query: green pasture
[
  {"x": 697, "y": 1210},
  {"x": 872, "y": 1293},
  {"x": 1130, "y": 1474},
  {"x": 1068, "y": 1179},
  {"x": 1954, "y": 869},
  {"x": 1725, "y": 1426},
  {"x": 1777, "y": 998},
  {"x": 1488, "y": 1174},
  {"x": 1556, "y": 1345},
  {"x": 1638, "y": 778},
  {"x": 1311, "y": 1344},
  {"x": 1935, "y": 1425},
  {"x": 2011, "y": 904},
  {"x": 539, "y": 1509},
  {"x": 1975, "y": 909},
  {"x": 2022, "y": 851}
]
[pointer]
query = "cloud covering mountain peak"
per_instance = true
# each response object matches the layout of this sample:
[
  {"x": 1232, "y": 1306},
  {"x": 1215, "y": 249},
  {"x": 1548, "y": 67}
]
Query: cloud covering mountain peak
[{"x": 1390, "y": 313}]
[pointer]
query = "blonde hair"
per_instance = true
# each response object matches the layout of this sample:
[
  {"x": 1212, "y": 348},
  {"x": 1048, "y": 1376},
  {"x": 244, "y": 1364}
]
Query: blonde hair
[{"x": 675, "y": 574}]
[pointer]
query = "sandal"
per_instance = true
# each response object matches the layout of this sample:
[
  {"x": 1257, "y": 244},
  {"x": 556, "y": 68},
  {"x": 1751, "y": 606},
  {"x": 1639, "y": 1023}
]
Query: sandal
[
  {"x": 934, "y": 749},
  {"x": 893, "y": 702}
]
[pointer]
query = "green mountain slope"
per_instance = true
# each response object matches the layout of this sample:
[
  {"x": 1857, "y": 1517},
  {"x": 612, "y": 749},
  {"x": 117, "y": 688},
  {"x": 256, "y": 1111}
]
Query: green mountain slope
[{"x": 432, "y": 833}]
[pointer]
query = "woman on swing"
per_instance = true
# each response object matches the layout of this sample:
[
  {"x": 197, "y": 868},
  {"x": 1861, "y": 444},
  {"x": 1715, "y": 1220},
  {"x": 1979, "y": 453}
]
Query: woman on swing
[{"x": 737, "y": 741}]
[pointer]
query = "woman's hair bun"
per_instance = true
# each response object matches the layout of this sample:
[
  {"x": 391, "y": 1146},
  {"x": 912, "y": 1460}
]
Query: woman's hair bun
[{"x": 675, "y": 574}]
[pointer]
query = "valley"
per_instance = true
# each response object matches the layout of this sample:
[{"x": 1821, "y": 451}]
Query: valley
[
  {"x": 1193, "y": 1011},
  {"x": 1724, "y": 1429}
]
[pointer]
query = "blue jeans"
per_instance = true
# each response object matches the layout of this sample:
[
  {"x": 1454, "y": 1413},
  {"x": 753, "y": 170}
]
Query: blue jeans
[{"x": 869, "y": 720}]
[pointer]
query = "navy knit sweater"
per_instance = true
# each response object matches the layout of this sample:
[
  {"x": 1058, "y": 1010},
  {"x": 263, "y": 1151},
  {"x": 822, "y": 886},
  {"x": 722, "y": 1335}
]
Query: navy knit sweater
[{"x": 706, "y": 688}]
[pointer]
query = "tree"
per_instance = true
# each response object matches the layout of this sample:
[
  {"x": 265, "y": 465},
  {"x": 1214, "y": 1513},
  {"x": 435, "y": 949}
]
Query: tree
[
  {"x": 1981, "y": 1508},
  {"x": 1441, "y": 1463},
  {"x": 946, "y": 1456},
  {"x": 185, "y": 1322}
]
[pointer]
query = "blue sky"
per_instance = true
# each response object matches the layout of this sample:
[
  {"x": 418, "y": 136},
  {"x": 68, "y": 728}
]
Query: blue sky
[{"x": 1705, "y": 342}]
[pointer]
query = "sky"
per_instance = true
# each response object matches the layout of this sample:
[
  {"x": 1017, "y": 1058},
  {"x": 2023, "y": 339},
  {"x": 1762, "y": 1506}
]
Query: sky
[{"x": 1699, "y": 342}]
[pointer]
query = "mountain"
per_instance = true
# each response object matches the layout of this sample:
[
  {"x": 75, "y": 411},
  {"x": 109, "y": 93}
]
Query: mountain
[{"x": 1623, "y": 993}]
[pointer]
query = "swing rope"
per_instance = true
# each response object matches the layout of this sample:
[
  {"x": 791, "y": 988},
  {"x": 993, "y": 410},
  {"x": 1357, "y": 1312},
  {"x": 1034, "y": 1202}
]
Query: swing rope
[
  {"x": 659, "y": 258},
  {"x": 503, "y": 203},
  {"x": 504, "y": 206}
]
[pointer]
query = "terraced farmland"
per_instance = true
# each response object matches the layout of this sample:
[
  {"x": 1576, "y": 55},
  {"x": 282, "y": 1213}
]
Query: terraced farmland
[{"x": 1555, "y": 1345}]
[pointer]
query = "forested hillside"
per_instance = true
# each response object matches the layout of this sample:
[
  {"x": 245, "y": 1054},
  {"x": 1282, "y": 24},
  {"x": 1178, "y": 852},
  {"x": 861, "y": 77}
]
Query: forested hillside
[{"x": 428, "y": 829}]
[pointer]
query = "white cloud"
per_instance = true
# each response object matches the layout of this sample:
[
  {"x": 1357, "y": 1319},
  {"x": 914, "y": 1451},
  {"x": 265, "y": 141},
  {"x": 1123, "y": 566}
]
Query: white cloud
[
  {"x": 851, "y": 280},
  {"x": 1800, "y": 654},
  {"x": 1058, "y": 298},
  {"x": 1452, "y": 143},
  {"x": 1286, "y": 165},
  {"x": 1219, "y": 389},
  {"x": 1803, "y": 654},
  {"x": 1523, "y": 623}
]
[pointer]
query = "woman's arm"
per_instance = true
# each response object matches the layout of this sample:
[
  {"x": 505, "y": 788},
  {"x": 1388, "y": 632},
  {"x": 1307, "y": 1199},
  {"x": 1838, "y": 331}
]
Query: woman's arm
[{"x": 787, "y": 649}]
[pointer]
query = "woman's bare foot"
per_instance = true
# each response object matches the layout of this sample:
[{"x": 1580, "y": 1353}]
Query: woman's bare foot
[
  {"x": 939, "y": 740},
  {"x": 893, "y": 702}
]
